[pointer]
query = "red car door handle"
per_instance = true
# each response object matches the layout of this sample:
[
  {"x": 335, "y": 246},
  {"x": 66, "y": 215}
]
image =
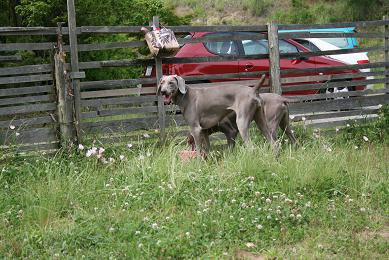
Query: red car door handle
[{"x": 248, "y": 66}]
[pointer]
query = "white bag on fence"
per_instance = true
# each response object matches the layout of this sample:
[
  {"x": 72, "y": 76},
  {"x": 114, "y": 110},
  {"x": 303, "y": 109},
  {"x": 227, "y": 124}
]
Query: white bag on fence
[{"x": 161, "y": 42}]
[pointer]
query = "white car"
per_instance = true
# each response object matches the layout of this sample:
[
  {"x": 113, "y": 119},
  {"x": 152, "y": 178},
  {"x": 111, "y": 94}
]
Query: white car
[{"x": 317, "y": 44}]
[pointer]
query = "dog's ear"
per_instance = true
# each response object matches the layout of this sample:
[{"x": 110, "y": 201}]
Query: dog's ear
[{"x": 181, "y": 84}]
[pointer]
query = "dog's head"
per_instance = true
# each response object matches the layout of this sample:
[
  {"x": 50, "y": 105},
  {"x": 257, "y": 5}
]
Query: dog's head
[{"x": 170, "y": 86}]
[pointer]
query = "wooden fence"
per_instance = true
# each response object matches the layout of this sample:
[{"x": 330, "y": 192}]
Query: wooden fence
[{"x": 46, "y": 106}]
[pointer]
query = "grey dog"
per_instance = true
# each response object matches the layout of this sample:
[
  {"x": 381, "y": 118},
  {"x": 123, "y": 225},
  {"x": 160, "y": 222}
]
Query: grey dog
[
  {"x": 204, "y": 108},
  {"x": 276, "y": 111}
]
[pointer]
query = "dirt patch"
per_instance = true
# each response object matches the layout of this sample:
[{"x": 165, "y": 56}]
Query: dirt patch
[
  {"x": 244, "y": 255},
  {"x": 370, "y": 234}
]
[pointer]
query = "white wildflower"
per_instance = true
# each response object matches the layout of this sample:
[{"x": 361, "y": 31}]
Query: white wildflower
[
  {"x": 129, "y": 146},
  {"x": 187, "y": 234},
  {"x": 141, "y": 157},
  {"x": 17, "y": 134},
  {"x": 146, "y": 135},
  {"x": 154, "y": 226},
  {"x": 298, "y": 216},
  {"x": 12, "y": 127},
  {"x": 121, "y": 157},
  {"x": 259, "y": 226},
  {"x": 257, "y": 193},
  {"x": 250, "y": 245},
  {"x": 348, "y": 125},
  {"x": 268, "y": 200},
  {"x": 303, "y": 118},
  {"x": 111, "y": 229},
  {"x": 362, "y": 209},
  {"x": 81, "y": 147},
  {"x": 148, "y": 154},
  {"x": 111, "y": 160},
  {"x": 365, "y": 138}
]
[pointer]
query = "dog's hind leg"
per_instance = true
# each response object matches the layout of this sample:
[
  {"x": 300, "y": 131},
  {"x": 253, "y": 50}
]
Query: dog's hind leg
[{"x": 285, "y": 126}]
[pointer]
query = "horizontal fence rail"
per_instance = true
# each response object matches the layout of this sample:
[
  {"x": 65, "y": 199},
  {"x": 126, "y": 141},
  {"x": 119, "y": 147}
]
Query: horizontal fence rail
[{"x": 113, "y": 109}]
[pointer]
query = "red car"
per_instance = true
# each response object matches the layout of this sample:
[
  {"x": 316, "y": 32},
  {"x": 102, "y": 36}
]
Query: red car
[{"x": 245, "y": 47}]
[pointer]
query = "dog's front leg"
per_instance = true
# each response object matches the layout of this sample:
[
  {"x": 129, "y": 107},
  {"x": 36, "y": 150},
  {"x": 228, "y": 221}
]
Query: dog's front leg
[{"x": 196, "y": 133}]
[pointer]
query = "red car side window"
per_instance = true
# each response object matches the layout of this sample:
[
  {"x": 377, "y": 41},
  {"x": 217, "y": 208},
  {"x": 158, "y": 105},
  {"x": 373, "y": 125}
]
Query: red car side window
[{"x": 221, "y": 48}]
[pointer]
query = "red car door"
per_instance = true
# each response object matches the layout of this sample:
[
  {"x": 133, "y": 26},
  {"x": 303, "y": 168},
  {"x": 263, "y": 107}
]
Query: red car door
[
  {"x": 255, "y": 47},
  {"x": 212, "y": 48}
]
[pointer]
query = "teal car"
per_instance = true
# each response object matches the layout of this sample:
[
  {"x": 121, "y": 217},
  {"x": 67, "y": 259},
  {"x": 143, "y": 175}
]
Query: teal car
[{"x": 342, "y": 42}]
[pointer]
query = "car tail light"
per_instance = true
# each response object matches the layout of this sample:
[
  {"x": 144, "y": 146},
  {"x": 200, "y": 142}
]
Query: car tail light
[
  {"x": 362, "y": 61},
  {"x": 355, "y": 46}
]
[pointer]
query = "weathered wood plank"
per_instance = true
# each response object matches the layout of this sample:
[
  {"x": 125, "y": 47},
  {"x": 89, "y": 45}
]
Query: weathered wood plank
[
  {"x": 24, "y": 79},
  {"x": 357, "y": 93},
  {"x": 27, "y": 46},
  {"x": 274, "y": 59},
  {"x": 28, "y": 99},
  {"x": 27, "y": 30},
  {"x": 345, "y": 83},
  {"x": 26, "y": 90},
  {"x": 65, "y": 102},
  {"x": 177, "y": 29},
  {"x": 120, "y": 125},
  {"x": 27, "y": 109},
  {"x": 294, "y": 35},
  {"x": 10, "y": 57},
  {"x": 335, "y": 114},
  {"x": 28, "y": 122},
  {"x": 118, "y": 92},
  {"x": 333, "y": 25},
  {"x": 332, "y": 52},
  {"x": 386, "y": 51},
  {"x": 334, "y": 68},
  {"x": 120, "y": 111},
  {"x": 35, "y": 135},
  {"x": 117, "y": 101},
  {"x": 337, "y": 104},
  {"x": 341, "y": 122},
  {"x": 174, "y": 60},
  {"x": 40, "y": 148},
  {"x": 28, "y": 69},
  {"x": 115, "y": 63},
  {"x": 122, "y": 83},
  {"x": 74, "y": 65}
]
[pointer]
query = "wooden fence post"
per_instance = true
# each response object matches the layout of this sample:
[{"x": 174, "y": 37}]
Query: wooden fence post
[
  {"x": 64, "y": 95},
  {"x": 161, "y": 106},
  {"x": 386, "y": 52},
  {"x": 74, "y": 65},
  {"x": 274, "y": 58}
]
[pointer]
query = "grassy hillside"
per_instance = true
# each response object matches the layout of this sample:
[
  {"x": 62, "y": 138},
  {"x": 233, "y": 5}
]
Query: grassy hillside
[{"x": 284, "y": 11}]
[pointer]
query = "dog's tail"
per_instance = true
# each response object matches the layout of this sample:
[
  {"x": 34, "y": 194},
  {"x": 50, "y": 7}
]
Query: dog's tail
[{"x": 260, "y": 83}]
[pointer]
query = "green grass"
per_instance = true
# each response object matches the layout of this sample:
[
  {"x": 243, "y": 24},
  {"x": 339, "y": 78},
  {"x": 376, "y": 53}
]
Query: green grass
[{"x": 311, "y": 203}]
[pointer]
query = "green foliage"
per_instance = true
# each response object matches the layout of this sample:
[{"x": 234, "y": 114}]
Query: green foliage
[
  {"x": 257, "y": 7},
  {"x": 100, "y": 13},
  {"x": 375, "y": 132}
]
